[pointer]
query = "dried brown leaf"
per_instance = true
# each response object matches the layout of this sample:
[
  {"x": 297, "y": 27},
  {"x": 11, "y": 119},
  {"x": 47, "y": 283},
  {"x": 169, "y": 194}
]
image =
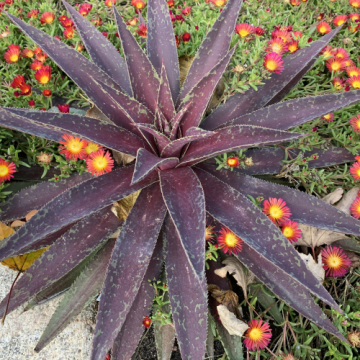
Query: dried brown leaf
[
  {"x": 233, "y": 325},
  {"x": 30, "y": 214},
  {"x": 226, "y": 297},
  {"x": 17, "y": 223},
  {"x": 315, "y": 267}
]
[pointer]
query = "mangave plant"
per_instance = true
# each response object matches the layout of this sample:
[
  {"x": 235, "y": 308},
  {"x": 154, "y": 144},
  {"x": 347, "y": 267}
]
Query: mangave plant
[{"x": 160, "y": 124}]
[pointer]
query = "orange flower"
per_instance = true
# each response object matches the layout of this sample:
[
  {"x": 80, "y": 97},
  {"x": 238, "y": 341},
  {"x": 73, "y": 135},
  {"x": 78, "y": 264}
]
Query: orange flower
[
  {"x": 33, "y": 13},
  {"x": 171, "y": 3},
  {"x": 328, "y": 117},
  {"x": 349, "y": 62},
  {"x": 73, "y": 148},
  {"x": 355, "y": 3},
  {"x": 355, "y": 170},
  {"x": 353, "y": 71},
  {"x": 142, "y": 30},
  {"x": 276, "y": 46},
  {"x": 67, "y": 23},
  {"x": 354, "y": 82},
  {"x": 336, "y": 262},
  {"x": 355, "y": 208},
  {"x": 36, "y": 65},
  {"x": 99, "y": 163},
  {"x": 40, "y": 56},
  {"x": 295, "y": 2},
  {"x": 110, "y": 2},
  {"x": 12, "y": 54},
  {"x": 232, "y": 161},
  {"x": 209, "y": 232},
  {"x": 283, "y": 34},
  {"x": 27, "y": 53},
  {"x": 293, "y": 46},
  {"x": 297, "y": 34},
  {"x": 47, "y": 93},
  {"x": 327, "y": 51},
  {"x": 218, "y": 3},
  {"x": 335, "y": 64},
  {"x": 273, "y": 62},
  {"x": 92, "y": 147},
  {"x": 339, "y": 20},
  {"x": 355, "y": 123},
  {"x": 47, "y": 18},
  {"x": 229, "y": 242},
  {"x": 132, "y": 22},
  {"x": 6, "y": 170},
  {"x": 146, "y": 322},
  {"x": 43, "y": 75},
  {"x": 19, "y": 83},
  {"x": 276, "y": 210},
  {"x": 258, "y": 335},
  {"x": 355, "y": 17},
  {"x": 68, "y": 32},
  {"x": 139, "y": 4},
  {"x": 244, "y": 30},
  {"x": 323, "y": 27},
  {"x": 291, "y": 231}
]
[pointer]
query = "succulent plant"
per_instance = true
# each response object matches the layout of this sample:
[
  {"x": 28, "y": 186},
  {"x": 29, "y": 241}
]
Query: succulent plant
[{"x": 161, "y": 125}]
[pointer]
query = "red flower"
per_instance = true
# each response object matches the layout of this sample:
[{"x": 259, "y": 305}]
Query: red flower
[
  {"x": 43, "y": 75},
  {"x": 276, "y": 210},
  {"x": 186, "y": 11},
  {"x": 232, "y": 161},
  {"x": 291, "y": 231},
  {"x": 293, "y": 46},
  {"x": 146, "y": 322},
  {"x": 110, "y": 2},
  {"x": 336, "y": 262},
  {"x": 64, "y": 108},
  {"x": 171, "y": 3},
  {"x": 259, "y": 31},
  {"x": 139, "y": 4},
  {"x": 229, "y": 242},
  {"x": 354, "y": 82},
  {"x": 297, "y": 34},
  {"x": 338, "y": 83},
  {"x": 355, "y": 208},
  {"x": 339, "y": 20},
  {"x": 36, "y": 65},
  {"x": 31, "y": 103},
  {"x": 47, "y": 93},
  {"x": 73, "y": 148},
  {"x": 328, "y": 117},
  {"x": 132, "y": 22},
  {"x": 276, "y": 46},
  {"x": 355, "y": 3},
  {"x": 67, "y": 23},
  {"x": 186, "y": 37},
  {"x": 355, "y": 17},
  {"x": 40, "y": 55},
  {"x": 355, "y": 123},
  {"x": 99, "y": 162},
  {"x": 19, "y": 83},
  {"x": 323, "y": 27},
  {"x": 97, "y": 21},
  {"x": 283, "y": 34},
  {"x": 68, "y": 32},
  {"x": 47, "y": 18},
  {"x": 6, "y": 170},
  {"x": 244, "y": 30},
  {"x": 335, "y": 64},
  {"x": 27, "y": 53},
  {"x": 33, "y": 13},
  {"x": 273, "y": 62},
  {"x": 218, "y": 3},
  {"x": 177, "y": 40},
  {"x": 355, "y": 171},
  {"x": 62, "y": 18},
  {"x": 85, "y": 9},
  {"x": 341, "y": 53},
  {"x": 12, "y": 54},
  {"x": 353, "y": 71},
  {"x": 142, "y": 30},
  {"x": 258, "y": 335}
]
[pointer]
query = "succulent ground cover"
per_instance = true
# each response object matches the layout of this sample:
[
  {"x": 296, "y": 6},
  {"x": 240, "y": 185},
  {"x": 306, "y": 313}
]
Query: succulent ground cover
[{"x": 162, "y": 130}]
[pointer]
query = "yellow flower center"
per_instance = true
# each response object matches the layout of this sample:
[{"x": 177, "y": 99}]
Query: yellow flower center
[
  {"x": 231, "y": 239},
  {"x": 243, "y": 33},
  {"x": 14, "y": 57},
  {"x": 4, "y": 170},
  {"x": 288, "y": 232},
  {"x": 327, "y": 117},
  {"x": 275, "y": 212},
  {"x": 358, "y": 123},
  {"x": 219, "y": 3},
  {"x": 334, "y": 261},
  {"x": 232, "y": 162},
  {"x": 292, "y": 48},
  {"x": 340, "y": 22},
  {"x": 100, "y": 163},
  {"x": 44, "y": 79},
  {"x": 322, "y": 29},
  {"x": 356, "y": 84},
  {"x": 74, "y": 146},
  {"x": 255, "y": 334},
  {"x": 353, "y": 73},
  {"x": 91, "y": 148},
  {"x": 335, "y": 66}
]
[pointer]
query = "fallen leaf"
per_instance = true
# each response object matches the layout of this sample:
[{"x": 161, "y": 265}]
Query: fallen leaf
[
  {"x": 312, "y": 236},
  {"x": 5, "y": 231},
  {"x": 315, "y": 267},
  {"x": 235, "y": 268},
  {"x": 17, "y": 223},
  {"x": 233, "y": 325},
  {"x": 30, "y": 214},
  {"x": 226, "y": 297},
  {"x": 121, "y": 209}
]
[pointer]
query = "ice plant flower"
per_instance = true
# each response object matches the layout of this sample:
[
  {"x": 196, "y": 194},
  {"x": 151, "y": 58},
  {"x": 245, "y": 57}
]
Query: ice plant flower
[
  {"x": 229, "y": 242},
  {"x": 68, "y": 32},
  {"x": 33, "y": 13},
  {"x": 73, "y": 147},
  {"x": 142, "y": 30},
  {"x": 84, "y": 9},
  {"x": 232, "y": 161},
  {"x": 291, "y": 231},
  {"x": 328, "y": 117},
  {"x": 335, "y": 261},
  {"x": 186, "y": 37},
  {"x": 41, "y": 56},
  {"x": 27, "y": 53},
  {"x": 273, "y": 62},
  {"x": 323, "y": 28},
  {"x": 297, "y": 34},
  {"x": 276, "y": 46},
  {"x": 259, "y": 31},
  {"x": 218, "y": 3},
  {"x": 355, "y": 208},
  {"x": 19, "y": 83},
  {"x": 354, "y": 82},
  {"x": 12, "y": 54},
  {"x": 258, "y": 335},
  {"x": 335, "y": 64},
  {"x": 355, "y": 171},
  {"x": 139, "y": 4},
  {"x": 31, "y": 103},
  {"x": 132, "y": 22},
  {"x": 354, "y": 17},
  {"x": 244, "y": 30},
  {"x": 110, "y": 2},
  {"x": 44, "y": 158},
  {"x": 43, "y": 75},
  {"x": 92, "y": 147},
  {"x": 355, "y": 3},
  {"x": 293, "y": 46},
  {"x": 341, "y": 53},
  {"x": 47, "y": 18},
  {"x": 276, "y": 210},
  {"x": 36, "y": 65},
  {"x": 353, "y": 71},
  {"x": 67, "y": 23},
  {"x": 209, "y": 232},
  {"x": 171, "y": 3},
  {"x": 186, "y": 11},
  {"x": 339, "y": 20},
  {"x": 47, "y": 93},
  {"x": 64, "y": 108},
  {"x": 354, "y": 338},
  {"x": 6, "y": 170},
  {"x": 282, "y": 34},
  {"x": 146, "y": 322},
  {"x": 355, "y": 123},
  {"x": 327, "y": 52},
  {"x": 99, "y": 162}
]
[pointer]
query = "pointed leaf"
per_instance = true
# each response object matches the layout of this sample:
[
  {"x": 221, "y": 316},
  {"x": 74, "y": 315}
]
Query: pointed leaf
[
  {"x": 130, "y": 333},
  {"x": 201, "y": 94},
  {"x": 147, "y": 162},
  {"x": 234, "y": 138},
  {"x": 295, "y": 112},
  {"x": 101, "y": 50},
  {"x": 165, "y": 100},
  {"x": 188, "y": 296},
  {"x": 36, "y": 196},
  {"x": 294, "y": 65},
  {"x": 74, "y": 205},
  {"x": 235, "y": 211},
  {"x": 137, "y": 240},
  {"x": 74, "y": 246},
  {"x": 40, "y": 122},
  {"x": 84, "y": 290},
  {"x": 143, "y": 78},
  {"x": 163, "y": 122},
  {"x": 213, "y": 48},
  {"x": 161, "y": 46},
  {"x": 161, "y": 139},
  {"x": 176, "y": 120},
  {"x": 185, "y": 202},
  {"x": 348, "y": 244}
]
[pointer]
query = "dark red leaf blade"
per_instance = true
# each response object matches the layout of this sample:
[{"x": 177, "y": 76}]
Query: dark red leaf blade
[
  {"x": 278, "y": 86},
  {"x": 188, "y": 296},
  {"x": 147, "y": 162},
  {"x": 101, "y": 50},
  {"x": 39, "y": 122},
  {"x": 234, "y": 138},
  {"x": 161, "y": 45},
  {"x": 73, "y": 205},
  {"x": 74, "y": 246},
  {"x": 235, "y": 211},
  {"x": 36, "y": 196},
  {"x": 143, "y": 78},
  {"x": 184, "y": 199},
  {"x": 176, "y": 120},
  {"x": 200, "y": 96},
  {"x": 84, "y": 290},
  {"x": 165, "y": 100},
  {"x": 216, "y": 43},
  {"x": 128, "y": 265},
  {"x": 305, "y": 208},
  {"x": 161, "y": 139},
  {"x": 295, "y": 112},
  {"x": 130, "y": 333}
]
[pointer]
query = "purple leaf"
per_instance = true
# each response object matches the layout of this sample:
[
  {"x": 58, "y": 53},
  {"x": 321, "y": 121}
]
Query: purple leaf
[
  {"x": 161, "y": 46},
  {"x": 73, "y": 205},
  {"x": 213, "y": 48},
  {"x": 161, "y": 139},
  {"x": 35, "y": 197},
  {"x": 84, "y": 290},
  {"x": 143, "y": 78},
  {"x": 188, "y": 296},
  {"x": 295, "y": 64},
  {"x": 234, "y": 138},
  {"x": 165, "y": 101},
  {"x": 146, "y": 162},
  {"x": 185, "y": 202},
  {"x": 305, "y": 208},
  {"x": 241, "y": 216},
  {"x": 102, "y": 51},
  {"x": 39, "y": 123},
  {"x": 163, "y": 123},
  {"x": 295, "y": 112},
  {"x": 176, "y": 120},
  {"x": 74, "y": 246},
  {"x": 130, "y": 333},
  {"x": 128, "y": 265}
]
